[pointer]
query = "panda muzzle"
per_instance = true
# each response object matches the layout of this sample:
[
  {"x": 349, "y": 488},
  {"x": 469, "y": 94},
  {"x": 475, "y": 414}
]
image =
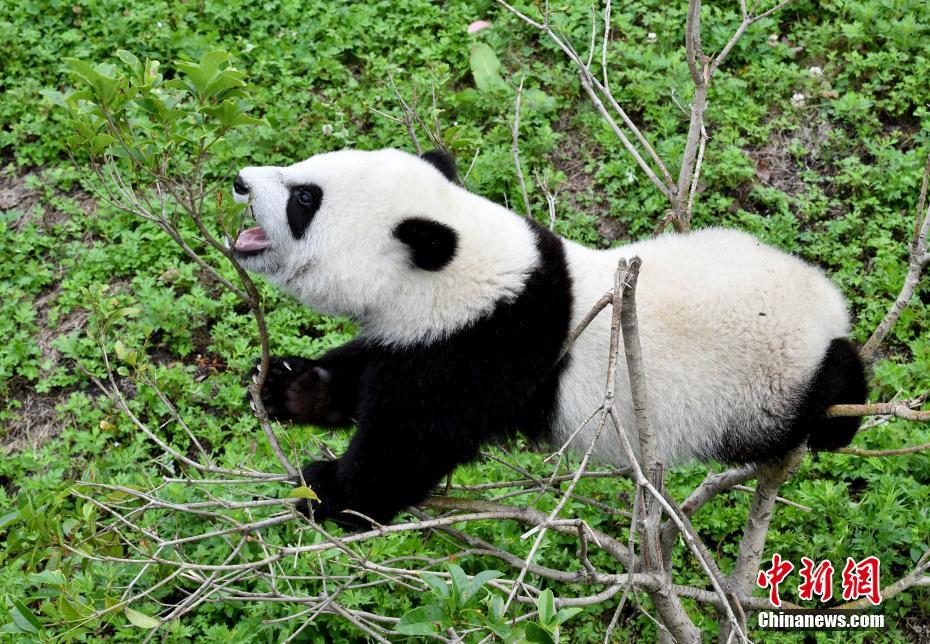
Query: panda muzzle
[{"x": 252, "y": 240}]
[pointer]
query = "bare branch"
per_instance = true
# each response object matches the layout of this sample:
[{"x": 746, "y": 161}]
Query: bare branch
[
  {"x": 410, "y": 113},
  {"x": 586, "y": 83},
  {"x": 919, "y": 257},
  {"x": 515, "y": 147},
  {"x": 856, "y": 451},
  {"x": 599, "y": 306},
  {"x": 771, "y": 477},
  {"x": 766, "y": 14},
  {"x": 897, "y": 409},
  {"x": 543, "y": 183}
]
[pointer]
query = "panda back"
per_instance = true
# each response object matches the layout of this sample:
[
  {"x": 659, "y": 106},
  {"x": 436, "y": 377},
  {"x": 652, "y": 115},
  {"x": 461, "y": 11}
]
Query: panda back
[{"x": 733, "y": 332}]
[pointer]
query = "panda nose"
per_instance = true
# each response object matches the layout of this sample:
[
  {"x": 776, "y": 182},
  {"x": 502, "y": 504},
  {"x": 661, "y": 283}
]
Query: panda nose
[{"x": 239, "y": 186}]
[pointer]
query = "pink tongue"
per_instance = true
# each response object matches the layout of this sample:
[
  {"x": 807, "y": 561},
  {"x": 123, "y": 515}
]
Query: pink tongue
[{"x": 252, "y": 239}]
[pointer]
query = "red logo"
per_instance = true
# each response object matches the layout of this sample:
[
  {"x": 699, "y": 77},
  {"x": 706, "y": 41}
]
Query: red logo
[
  {"x": 772, "y": 577},
  {"x": 861, "y": 580},
  {"x": 858, "y": 579},
  {"x": 817, "y": 581}
]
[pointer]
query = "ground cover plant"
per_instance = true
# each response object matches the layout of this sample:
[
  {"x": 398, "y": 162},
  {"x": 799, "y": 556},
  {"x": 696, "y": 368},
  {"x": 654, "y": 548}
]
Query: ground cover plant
[{"x": 817, "y": 133}]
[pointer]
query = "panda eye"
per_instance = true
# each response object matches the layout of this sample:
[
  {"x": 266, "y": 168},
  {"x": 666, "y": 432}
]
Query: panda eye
[{"x": 304, "y": 198}]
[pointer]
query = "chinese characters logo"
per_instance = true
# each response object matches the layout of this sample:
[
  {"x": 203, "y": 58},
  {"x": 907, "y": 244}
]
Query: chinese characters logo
[{"x": 858, "y": 579}]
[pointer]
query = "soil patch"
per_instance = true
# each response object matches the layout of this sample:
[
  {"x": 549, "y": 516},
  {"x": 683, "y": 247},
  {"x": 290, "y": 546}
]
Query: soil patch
[
  {"x": 571, "y": 155},
  {"x": 15, "y": 193},
  {"x": 36, "y": 420},
  {"x": 777, "y": 167},
  {"x": 782, "y": 162}
]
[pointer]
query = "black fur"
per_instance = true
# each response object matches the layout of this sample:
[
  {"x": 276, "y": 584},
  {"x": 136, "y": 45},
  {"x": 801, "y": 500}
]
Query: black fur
[
  {"x": 840, "y": 379},
  {"x": 299, "y": 215},
  {"x": 425, "y": 409},
  {"x": 442, "y": 161},
  {"x": 431, "y": 243},
  {"x": 320, "y": 392},
  {"x": 239, "y": 186}
]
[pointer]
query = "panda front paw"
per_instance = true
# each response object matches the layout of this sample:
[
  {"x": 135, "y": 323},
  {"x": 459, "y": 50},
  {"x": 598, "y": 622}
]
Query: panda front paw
[
  {"x": 323, "y": 478},
  {"x": 295, "y": 389}
]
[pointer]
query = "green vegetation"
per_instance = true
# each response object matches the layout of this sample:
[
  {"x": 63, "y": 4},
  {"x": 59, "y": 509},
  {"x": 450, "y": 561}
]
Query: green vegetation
[{"x": 832, "y": 177}]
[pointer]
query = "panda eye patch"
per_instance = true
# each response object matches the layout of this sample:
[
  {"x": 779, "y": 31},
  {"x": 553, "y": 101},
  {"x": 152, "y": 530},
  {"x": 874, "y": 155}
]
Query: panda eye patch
[{"x": 302, "y": 206}]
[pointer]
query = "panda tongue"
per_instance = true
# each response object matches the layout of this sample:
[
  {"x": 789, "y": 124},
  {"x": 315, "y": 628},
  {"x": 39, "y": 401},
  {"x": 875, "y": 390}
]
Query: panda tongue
[{"x": 252, "y": 239}]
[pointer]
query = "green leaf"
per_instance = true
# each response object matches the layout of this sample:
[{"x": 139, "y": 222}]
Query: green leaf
[
  {"x": 424, "y": 620},
  {"x": 47, "y": 577},
  {"x": 566, "y": 614},
  {"x": 82, "y": 70},
  {"x": 436, "y": 583},
  {"x": 304, "y": 492},
  {"x": 497, "y": 607},
  {"x": 231, "y": 114},
  {"x": 228, "y": 79},
  {"x": 127, "y": 311},
  {"x": 23, "y": 617},
  {"x": 73, "y": 611},
  {"x": 505, "y": 631},
  {"x": 55, "y": 98},
  {"x": 120, "y": 348},
  {"x": 459, "y": 583},
  {"x": 10, "y": 628},
  {"x": 7, "y": 519},
  {"x": 101, "y": 142},
  {"x": 200, "y": 75},
  {"x": 536, "y": 100},
  {"x": 230, "y": 215},
  {"x": 537, "y": 634},
  {"x": 141, "y": 619},
  {"x": 545, "y": 604},
  {"x": 130, "y": 59},
  {"x": 210, "y": 63},
  {"x": 485, "y": 67},
  {"x": 479, "y": 580}
]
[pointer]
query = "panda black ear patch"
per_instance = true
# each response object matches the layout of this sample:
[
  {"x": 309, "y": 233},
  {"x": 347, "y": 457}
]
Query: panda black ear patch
[
  {"x": 442, "y": 161},
  {"x": 432, "y": 244}
]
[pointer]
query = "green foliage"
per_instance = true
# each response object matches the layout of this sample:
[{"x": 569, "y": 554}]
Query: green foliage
[
  {"x": 834, "y": 181},
  {"x": 453, "y": 608},
  {"x": 454, "y": 605},
  {"x": 485, "y": 67}
]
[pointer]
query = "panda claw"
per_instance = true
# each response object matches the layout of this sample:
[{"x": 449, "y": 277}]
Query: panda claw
[
  {"x": 286, "y": 365},
  {"x": 323, "y": 375}
]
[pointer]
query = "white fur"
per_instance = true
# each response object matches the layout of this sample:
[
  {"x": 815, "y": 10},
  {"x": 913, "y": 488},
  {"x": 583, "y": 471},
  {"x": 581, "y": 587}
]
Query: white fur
[
  {"x": 726, "y": 322},
  {"x": 349, "y": 263}
]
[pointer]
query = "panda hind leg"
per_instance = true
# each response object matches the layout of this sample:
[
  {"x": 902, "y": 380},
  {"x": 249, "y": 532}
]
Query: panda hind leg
[{"x": 840, "y": 379}]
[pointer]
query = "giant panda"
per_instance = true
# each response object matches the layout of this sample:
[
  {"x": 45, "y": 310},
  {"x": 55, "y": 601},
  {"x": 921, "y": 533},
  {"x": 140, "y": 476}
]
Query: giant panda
[{"x": 464, "y": 308}]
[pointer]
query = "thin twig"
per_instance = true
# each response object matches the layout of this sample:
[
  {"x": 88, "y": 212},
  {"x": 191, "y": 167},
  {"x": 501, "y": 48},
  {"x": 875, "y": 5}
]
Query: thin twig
[{"x": 515, "y": 147}]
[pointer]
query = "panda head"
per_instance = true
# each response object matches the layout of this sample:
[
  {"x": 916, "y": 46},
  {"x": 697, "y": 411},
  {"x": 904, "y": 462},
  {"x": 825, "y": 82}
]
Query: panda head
[{"x": 385, "y": 237}]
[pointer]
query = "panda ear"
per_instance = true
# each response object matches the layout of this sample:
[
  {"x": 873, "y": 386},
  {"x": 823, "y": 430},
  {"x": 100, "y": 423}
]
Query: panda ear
[
  {"x": 432, "y": 244},
  {"x": 443, "y": 161}
]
